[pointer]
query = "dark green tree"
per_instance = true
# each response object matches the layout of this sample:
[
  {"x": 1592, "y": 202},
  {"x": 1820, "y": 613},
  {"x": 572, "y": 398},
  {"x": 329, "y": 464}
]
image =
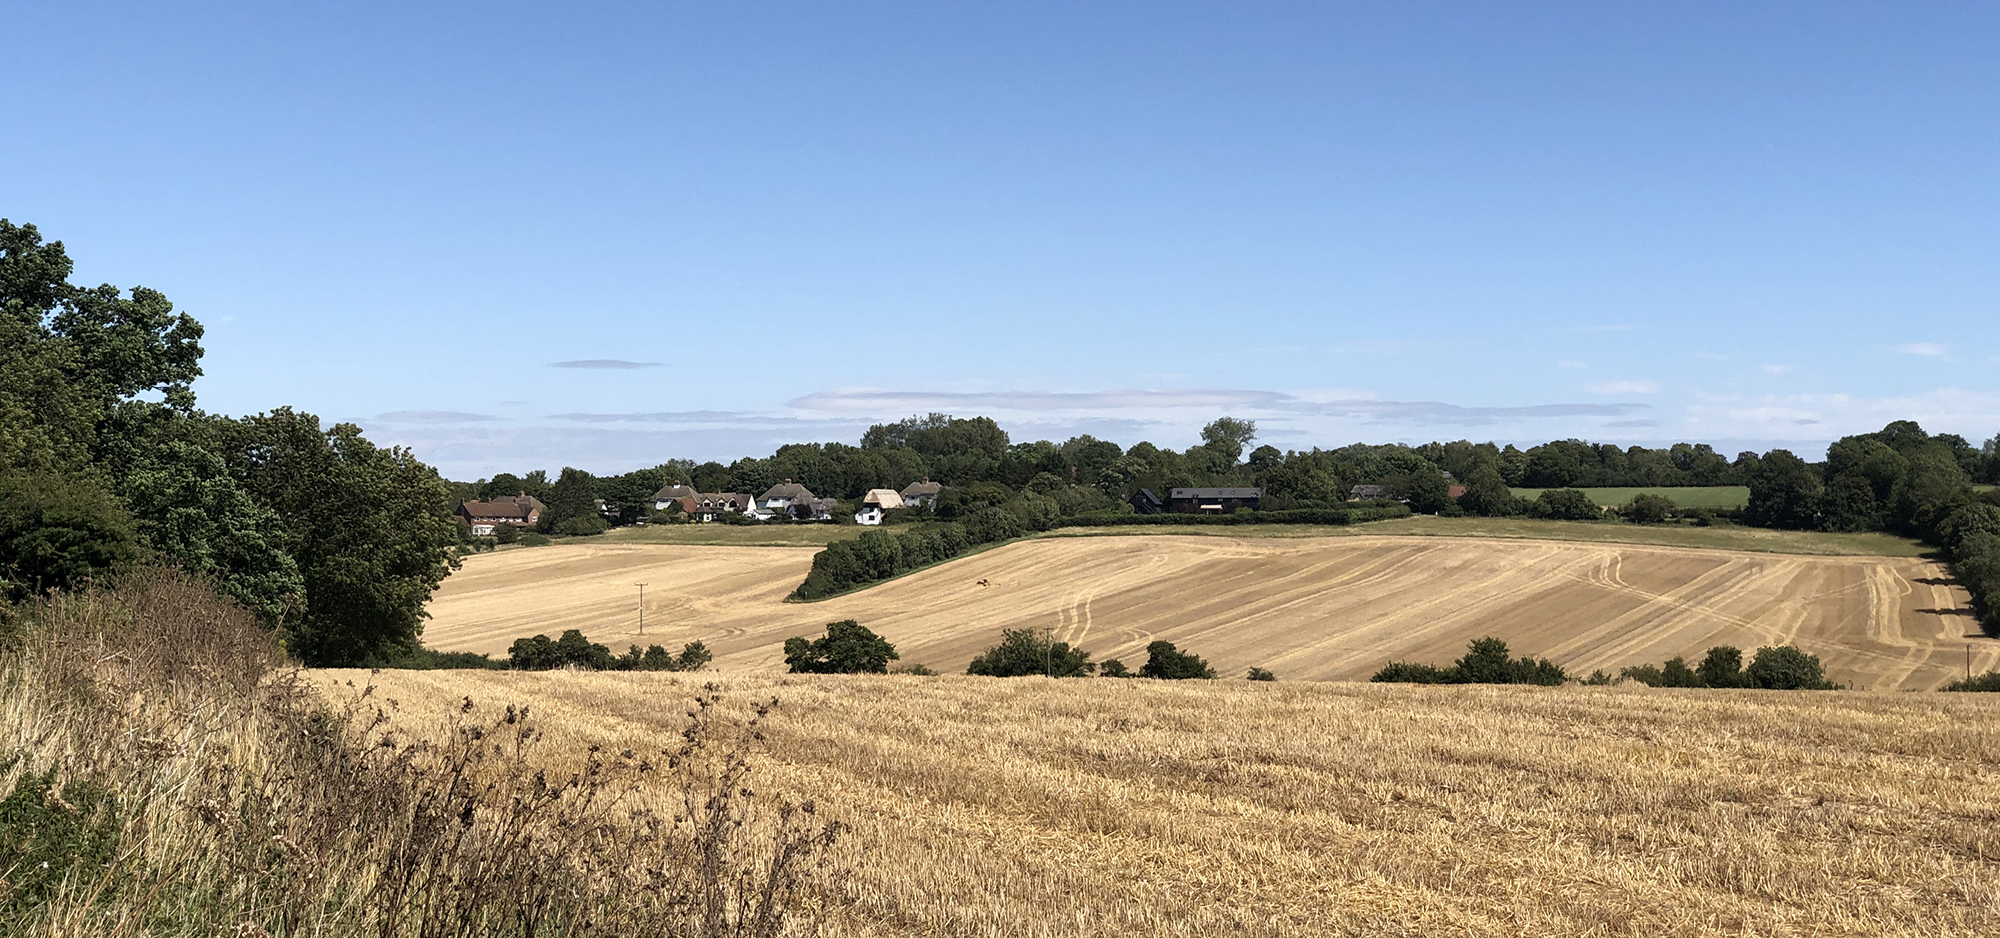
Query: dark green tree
[
  {"x": 194, "y": 512},
  {"x": 1487, "y": 494},
  {"x": 1113, "y": 668},
  {"x": 1722, "y": 667},
  {"x": 848, "y": 647},
  {"x": 1649, "y": 509},
  {"x": 1227, "y": 436},
  {"x": 1784, "y": 492},
  {"x": 58, "y": 532},
  {"x": 1567, "y": 505},
  {"x": 1787, "y": 668},
  {"x": 371, "y": 529},
  {"x": 1024, "y": 652},
  {"x": 1166, "y": 662}
]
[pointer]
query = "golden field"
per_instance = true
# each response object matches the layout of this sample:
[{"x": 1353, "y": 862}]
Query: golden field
[
  {"x": 1309, "y": 608},
  {"x": 1030, "y": 807}
]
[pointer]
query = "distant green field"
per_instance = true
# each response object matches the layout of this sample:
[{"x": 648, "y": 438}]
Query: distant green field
[
  {"x": 1706, "y": 496},
  {"x": 1718, "y": 537}
]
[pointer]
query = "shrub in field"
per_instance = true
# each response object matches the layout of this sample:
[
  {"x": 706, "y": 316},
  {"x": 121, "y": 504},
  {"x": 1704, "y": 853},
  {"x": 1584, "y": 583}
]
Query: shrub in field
[
  {"x": 1486, "y": 661},
  {"x": 582, "y": 526},
  {"x": 1774, "y": 668},
  {"x": 1024, "y": 652},
  {"x": 1566, "y": 505},
  {"x": 1168, "y": 663},
  {"x": 1260, "y": 674},
  {"x": 848, "y": 647},
  {"x": 1786, "y": 668},
  {"x": 1114, "y": 668},
  {"x": 1648, "y": 509},
  {"x": 535, "y": 539},
  {"x": 1988, "y": 682},
  {"x": 537, "y": 653}
]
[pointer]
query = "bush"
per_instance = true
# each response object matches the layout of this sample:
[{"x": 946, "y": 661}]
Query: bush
[
  {"x": 535, "y": 539},
  {"x": 1648, "y": 509},
  {"x": 537, "y": 653},
  {"x": 1566, "y": 505},
  {"x": 50, "y": 833},
  {"x": 1486, "y": 661},
  {"x": 1024, "y": 652},
  {"x": 582, "y": 526},
  {"x": 506, "y": 534},
  {"x": 57, "y": 533},
  {"x": 848, "y": 647},
  {"x": 1988, "y": 683},
  {"x": 1167, "y": 663},
  {"x": 1787, "y": 668},
  {"x": 1114, "y": 668},
  {"x": 1779, "y": 668},
  {"x": 1260, "y": 674}
]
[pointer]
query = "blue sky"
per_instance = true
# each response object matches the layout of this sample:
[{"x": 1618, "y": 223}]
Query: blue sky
[{"x": 1756, "y": 225}]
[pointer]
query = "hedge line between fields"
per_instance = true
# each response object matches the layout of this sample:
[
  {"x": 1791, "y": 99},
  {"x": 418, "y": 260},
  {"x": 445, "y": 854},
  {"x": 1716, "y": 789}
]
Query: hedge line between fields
[{"x": 875, "y": 556}]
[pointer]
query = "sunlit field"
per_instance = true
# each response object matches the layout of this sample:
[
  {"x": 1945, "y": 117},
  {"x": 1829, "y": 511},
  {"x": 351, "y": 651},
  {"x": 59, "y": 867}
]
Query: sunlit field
[{"x": 1033, "y": 807}]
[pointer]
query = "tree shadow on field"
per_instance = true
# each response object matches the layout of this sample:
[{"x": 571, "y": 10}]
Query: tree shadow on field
[
  {"x": 1936, "y": 581},
  {"x": 1962, "y": 611}
]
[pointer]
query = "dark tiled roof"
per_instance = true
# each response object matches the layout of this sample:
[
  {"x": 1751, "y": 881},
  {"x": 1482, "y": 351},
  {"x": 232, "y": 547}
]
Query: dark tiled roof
[
  {"x": 1178, "y": 494},
  {"x": 926, "y": 487}
]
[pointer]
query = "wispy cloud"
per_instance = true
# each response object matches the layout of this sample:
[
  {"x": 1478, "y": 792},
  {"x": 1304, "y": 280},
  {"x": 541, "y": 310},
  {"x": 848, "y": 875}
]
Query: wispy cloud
[
  {"x": 867, "y": 400},
  {"x": 1622, "y": 387},
  {"x": 1928, "y": 349},
  {"x": 432, "y": 417},
  {"x": 725, "y": 418},
  {"x": 1632, "y": 424},
  {"x": 605, "y": 364},
  {"x": 1774, "y": 369},
  {"x": 1243, "y": 402},
  {"x": 1570, "y": 363}
]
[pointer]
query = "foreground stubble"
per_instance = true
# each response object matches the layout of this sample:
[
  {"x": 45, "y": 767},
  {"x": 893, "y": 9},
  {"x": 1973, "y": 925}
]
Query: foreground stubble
[{"x": 1036, "y": 807}]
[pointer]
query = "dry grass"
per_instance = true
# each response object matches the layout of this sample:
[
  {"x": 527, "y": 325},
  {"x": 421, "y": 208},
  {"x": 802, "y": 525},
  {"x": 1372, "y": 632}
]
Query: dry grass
[
  {"x": 1325, "y": 608},
  {"x": 1028, "y": 807},
  {"x": 163, "y": 775}
]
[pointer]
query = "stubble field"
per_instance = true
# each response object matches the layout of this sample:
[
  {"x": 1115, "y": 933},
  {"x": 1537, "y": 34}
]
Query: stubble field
[
  {"x": 1333, "y": 608},
  {"x": 1031, "y": 807}
]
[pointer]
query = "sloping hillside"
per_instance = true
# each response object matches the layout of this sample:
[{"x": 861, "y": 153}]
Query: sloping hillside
[{"x": 1319, "y": 608}]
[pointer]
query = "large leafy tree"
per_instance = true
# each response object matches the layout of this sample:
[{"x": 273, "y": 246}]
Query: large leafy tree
[
  {"x": 193, "y": 510},
  {"x": 369, "y": 527},
  {"x": 848, "y": 647},
  {"x": 75, "y": 359}
]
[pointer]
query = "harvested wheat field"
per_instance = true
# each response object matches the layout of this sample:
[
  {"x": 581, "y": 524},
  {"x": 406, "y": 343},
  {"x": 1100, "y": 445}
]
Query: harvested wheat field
[
  {"x": 1333, "y": 608},
  {"x": 1025, "y": 807}
]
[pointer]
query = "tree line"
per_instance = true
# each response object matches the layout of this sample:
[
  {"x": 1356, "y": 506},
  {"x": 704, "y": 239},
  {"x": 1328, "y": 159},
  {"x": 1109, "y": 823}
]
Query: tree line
[{"x": 107, "y": 464}]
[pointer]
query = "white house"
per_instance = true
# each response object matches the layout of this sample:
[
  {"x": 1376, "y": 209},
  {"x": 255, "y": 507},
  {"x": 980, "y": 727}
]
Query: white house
[
  {"x": 875, "y": 503},
  {"x": 921, "y": 493}
]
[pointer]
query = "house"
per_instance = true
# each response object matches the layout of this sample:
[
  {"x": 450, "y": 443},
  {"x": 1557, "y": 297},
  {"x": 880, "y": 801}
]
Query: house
[
  {"x": 521, "y": 511},
  {"x": 670, "y": 494},
  {"x": 1362, "y": 493},
  {"x": 875, "y": 503},
  {"x": 1146, "y": 503},
  {"x": 1221, "y": 501},
  {"x": 705, "y": 506},
  {"x": 796, "y": 501},
  {"x": 923, "y": 493}
]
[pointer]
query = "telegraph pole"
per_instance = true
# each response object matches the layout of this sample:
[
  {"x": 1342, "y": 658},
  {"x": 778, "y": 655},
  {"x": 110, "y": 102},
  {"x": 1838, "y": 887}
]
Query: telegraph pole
[{"x": 642, "y": 609}]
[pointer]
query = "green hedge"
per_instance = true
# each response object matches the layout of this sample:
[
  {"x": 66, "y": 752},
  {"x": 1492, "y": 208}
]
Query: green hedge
[
  {"x": 879, "y": 555},
  {"x": 1337, "y": 516}
]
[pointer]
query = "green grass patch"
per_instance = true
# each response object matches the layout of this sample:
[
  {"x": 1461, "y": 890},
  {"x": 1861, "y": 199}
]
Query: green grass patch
[
  {"x": 1684, "y": 496},
  {"x": 1718, "y": 537}
]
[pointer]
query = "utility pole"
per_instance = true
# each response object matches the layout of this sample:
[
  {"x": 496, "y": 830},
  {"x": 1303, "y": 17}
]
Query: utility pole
[
  {"x": 642, "y": 609},
  {"x": 1968, "y": 661}
]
